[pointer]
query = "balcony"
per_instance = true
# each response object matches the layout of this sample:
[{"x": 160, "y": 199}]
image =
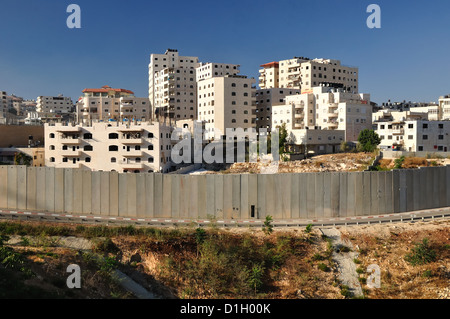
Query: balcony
[
  {"x": 132, "y": 165},
  {"x": 298, "y": 115},
  {"x": 132, "y": 153},
  {"x": 333, "y": 114},
  {"x": 70, "y": 140},
  {"x": 71, "y": 153},
  {"x": 399, "y": 131}
]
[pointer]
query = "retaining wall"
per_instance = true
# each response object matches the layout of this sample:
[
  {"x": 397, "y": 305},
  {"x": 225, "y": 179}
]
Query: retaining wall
[{"x": 283, "y": 196}]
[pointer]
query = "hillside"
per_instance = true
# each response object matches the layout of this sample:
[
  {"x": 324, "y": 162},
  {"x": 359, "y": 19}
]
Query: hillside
[{"x": 218, "y": 263}]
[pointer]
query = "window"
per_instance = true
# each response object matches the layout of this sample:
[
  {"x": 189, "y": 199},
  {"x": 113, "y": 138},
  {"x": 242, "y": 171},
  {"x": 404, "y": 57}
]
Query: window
[
  {"x": 425, "y": 137},
  {"x": 233, "y": 93},
  {"x": 150, "y": 160},
  {"x": 425, "y": 125},
  {"x": 113, "y": 148},
  {"x": 113, "y": 136},
  {"x": 150, "y": 135},
  {"x": 87, "y": 160},
  {"x": 52, "y": 147},
  {"x": 113, "y": 160},
  {"x": 233, "y": 85},
  {"x": 420, "y": 148},
  {"x": 410, "y": 125},
  {"x": 441, "y": 137},
  {"x": 52, "y": 135},
  {"x": 52, "y": 159},
  {"x": 65, "y": 160},
  {"x": 87, "y": 136},
  {"x": 441, "y": 125},
  {"x": 88, "y": 148}
]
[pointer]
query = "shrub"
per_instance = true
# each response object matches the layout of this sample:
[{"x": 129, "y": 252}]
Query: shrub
[
  {"x": 308, "y": 228},
  {"x": 421, "y": 254},
  {"x": 345, "y": 291},
  {"x": 323, "y": 267},
  {"x": 268, "y": 228},
  {"x": 399, "y": 162}
]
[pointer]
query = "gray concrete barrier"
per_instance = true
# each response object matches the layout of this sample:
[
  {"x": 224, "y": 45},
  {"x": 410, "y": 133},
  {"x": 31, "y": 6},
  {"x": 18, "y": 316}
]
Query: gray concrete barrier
[{"x": 246, "y": 196}]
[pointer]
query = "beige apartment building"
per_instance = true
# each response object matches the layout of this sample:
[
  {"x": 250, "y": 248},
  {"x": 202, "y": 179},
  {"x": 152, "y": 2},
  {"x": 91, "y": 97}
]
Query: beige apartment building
[
  {"x": 172, "y": 85},
  {"x": 265, "y": 100},
  {"x": 108, "y": 104},
  {"x": 226, "y": 102},
  {"x": 133, "y": 147},
  {"x": 415, "y": 135},
  {"x": 304, "y": 74},
  {"x": 326, "y": 108},
  {"x": 54, "y": 104}
]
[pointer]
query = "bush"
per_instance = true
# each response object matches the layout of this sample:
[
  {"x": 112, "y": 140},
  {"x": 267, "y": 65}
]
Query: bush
[
  {"x": 323, "y": 267},
  {"x": 308, "y": 228},
  {"x": 368, "y": 140},
  {"x": 399, "y": 162},
  {"x": 421, "y": 254},
  {"x": 268, "y": 228}
]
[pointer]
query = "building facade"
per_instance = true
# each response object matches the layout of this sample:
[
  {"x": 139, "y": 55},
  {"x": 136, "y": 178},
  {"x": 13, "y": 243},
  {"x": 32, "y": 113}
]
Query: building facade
[
  {"x": 54, "y": 104},
  {"x": 144, "y": 147},
  {"x": 172, "y": 85},
  {"x": 303, "y": 73},
  {"x": 415, "y": 135},
  {"x": 265, "y": 100},
  {"x": 226, "y": 102},
  {"x": 326, "y": 108},
  {"x": 106, "y": 104}
]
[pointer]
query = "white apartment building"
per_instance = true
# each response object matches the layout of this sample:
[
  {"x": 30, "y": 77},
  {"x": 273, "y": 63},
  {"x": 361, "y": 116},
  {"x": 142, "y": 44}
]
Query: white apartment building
[
  {"x": 15, "y": 103},
  {"x": 106, "y": 103},
  {"x": 226, "y": 102},
  {"x": 265, "y": 100},
  {"x": 327, "y": 109},
  {"x": 415, "y": 135},
  {"x": 208, "y": 70},
  {"x": 143, "y": 147},
  {"x": 172, "y": 85},
  {"x": 444, "y": 108},
  {"x": 387, "y": 115},
  {"x": 54, "y": 104},
  {"x": 304, "y": 74}
]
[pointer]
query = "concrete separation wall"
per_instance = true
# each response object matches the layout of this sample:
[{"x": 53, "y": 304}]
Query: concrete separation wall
[{"x": 246, "y": 196}]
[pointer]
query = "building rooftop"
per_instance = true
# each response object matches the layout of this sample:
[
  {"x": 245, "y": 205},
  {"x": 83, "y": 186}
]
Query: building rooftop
[{"x": 106, "y": 89}]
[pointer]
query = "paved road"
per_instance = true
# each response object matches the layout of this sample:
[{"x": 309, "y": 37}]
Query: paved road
[{"x": 424, "y": 215}]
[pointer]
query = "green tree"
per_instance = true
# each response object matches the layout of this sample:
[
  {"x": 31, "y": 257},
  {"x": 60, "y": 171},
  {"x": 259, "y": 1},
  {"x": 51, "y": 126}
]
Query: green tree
[
  {"x": 283, "y": 134},
  {"x": 22, "y": 159},
  {"x": 368, "y": 140}
]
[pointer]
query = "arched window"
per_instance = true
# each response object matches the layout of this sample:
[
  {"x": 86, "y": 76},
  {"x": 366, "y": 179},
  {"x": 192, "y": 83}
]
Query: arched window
[
  {"x": 88, "y": 148},
  {"x": 52, "y": 135},
  {"x": 113, "y": 160},
  {"x": 113, "y": 148},
  {"x": 52, "y": 147},
  {"x": 52, "y": 159},
  {"x": 113, "y": 136},
  {"x": 87, "y": 136},
  {"x": 150, "y": 147}
]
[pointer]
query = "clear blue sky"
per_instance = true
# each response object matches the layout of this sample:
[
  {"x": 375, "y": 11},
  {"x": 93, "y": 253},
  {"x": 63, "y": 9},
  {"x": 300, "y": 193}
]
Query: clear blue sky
[{"x": 408, "y": 58}]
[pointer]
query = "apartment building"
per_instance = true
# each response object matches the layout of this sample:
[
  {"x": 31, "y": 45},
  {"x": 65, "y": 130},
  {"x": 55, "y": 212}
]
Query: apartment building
[
  {"x": 327, "y": 109},
  {"x": 106, "y": 103},
  {"x": 444, "y": 108},
  {"x": 415, "y": 135},
  {"x": 172, "y": 85},
  {"x": 209, "y": 70},
  {"x": 3, "y": 103},
  {"x": 141, "y": 147},
  {"x": 387, "y": 115},
  {"x": 303, "y": 73},
  {"x": 265, "y": 100},
  {"x": 54, "y": 104},
  {"x": 226, "y": 102},
  {"x": 14, "y": 103}
]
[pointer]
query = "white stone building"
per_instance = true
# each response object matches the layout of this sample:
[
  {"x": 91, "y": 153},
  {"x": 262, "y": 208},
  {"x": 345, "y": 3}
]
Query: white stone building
[
  {"x": 106, "y": 104},
  {"x": 54, "y": 104},
  {"x": 172, "y": 85},
  {"x": 136, "y": 147},
  {"x": 304, "y": 74},
  {"x": 327, "y": 109},
  {"x": 415, "y": 135}
]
